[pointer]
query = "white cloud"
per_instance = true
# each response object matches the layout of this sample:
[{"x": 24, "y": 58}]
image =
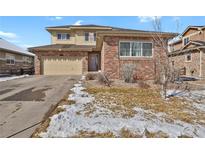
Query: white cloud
[
  {"x": 56, "y": 18},
  {"x": 147, "y": 18},
  {"x": 8, "y": 35},
  {"x": 79, "y": 22},
  {"x": 25, "y": 46}
]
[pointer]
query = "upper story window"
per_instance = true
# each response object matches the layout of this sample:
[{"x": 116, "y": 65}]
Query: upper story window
[
  {"x": 186, "y": 40},
  {"x": 135, "y": 49},
  {"x": 90, "y": 36},
  {"x": 10, "y": 59},
  {"x": 63, "y": 36}
]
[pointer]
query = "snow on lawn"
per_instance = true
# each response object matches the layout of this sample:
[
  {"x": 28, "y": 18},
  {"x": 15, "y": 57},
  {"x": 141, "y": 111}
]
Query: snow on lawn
[
  {"x": 70, "y": 123},
  {"x": 12, "y": 77},
  {"x": 196, "y": 97}
]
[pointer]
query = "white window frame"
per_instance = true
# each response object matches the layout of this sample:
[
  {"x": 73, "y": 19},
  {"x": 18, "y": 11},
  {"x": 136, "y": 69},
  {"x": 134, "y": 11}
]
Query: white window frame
[
  {"x": 89, "y": 38},
  {"x": 186, "y": 57},
  {"x": 184, "y": 40},
  {"x": 130, "y": 56},
  {"x": 62, "y": 37},
  {"x": 10, "y": 57}
]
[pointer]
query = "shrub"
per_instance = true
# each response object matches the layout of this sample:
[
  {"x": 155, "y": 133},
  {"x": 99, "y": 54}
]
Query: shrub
[
  {"x": 103, "y": 79},
  {"x": 128, "y": 70},
  {"x": 91, "y": 76}
]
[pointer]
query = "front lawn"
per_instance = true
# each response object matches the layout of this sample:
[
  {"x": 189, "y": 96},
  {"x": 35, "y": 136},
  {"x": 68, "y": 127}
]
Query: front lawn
[{"x": 124, "y": 111}]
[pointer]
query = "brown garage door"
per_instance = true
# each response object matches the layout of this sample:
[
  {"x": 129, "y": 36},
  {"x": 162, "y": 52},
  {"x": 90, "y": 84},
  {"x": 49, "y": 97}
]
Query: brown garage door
[{"x": 62, "y": 66}]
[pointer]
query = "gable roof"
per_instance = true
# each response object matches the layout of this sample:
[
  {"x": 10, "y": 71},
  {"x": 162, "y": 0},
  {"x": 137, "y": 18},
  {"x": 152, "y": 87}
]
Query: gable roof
[
  {"x": 5, "y": 45},
  {"x": 193, "y": 27},
  {"x": 196, "y": 43},
  {"x": 111, "y": 28}
]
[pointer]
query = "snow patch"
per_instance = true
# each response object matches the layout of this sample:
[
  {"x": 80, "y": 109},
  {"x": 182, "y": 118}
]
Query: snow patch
[
  {"x": 12, "y": 77},
  {"x": 69, "y": 123}
]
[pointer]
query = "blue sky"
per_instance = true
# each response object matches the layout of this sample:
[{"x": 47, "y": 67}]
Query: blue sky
[{"x": 30, "y": 31}]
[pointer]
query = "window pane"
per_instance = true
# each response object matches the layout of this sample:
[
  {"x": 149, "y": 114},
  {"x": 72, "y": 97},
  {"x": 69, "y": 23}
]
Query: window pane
[
  {"x": 86, "y": 36},
  {"x": 94, "y": 36},
  {"x": 8, "y": 61},
  {"x": 147, "y": 49},
  {"x": 136, "y": 49},
  {"x": 63, "y": 36},
  {"x": 12, "y": 61},
  {"x": 67, "y": 36},
  {"x": 59, "y": 36},
  {"x": 188, "y": 57},
  {"x": 91, "y": 36},
  {"x": 125, "y": 49}
]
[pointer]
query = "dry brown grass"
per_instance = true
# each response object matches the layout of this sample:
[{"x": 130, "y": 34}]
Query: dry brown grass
[
  {"x": 126, "y": 133},
  {"x": 55, "y": 109},
  {"x": 123, "y": 100},
  {"x": 93, "y": 134},
  {"x": 155, "y": 135}
]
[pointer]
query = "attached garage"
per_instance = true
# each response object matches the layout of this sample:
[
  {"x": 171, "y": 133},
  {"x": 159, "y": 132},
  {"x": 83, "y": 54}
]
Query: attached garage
[
  {"x": 62, "y": 66},
  {"x": 61, "y": 59}
]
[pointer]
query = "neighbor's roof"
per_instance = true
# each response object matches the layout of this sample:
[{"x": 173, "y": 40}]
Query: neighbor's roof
[
  {"x": 195, "y": 27},
  {"x": 63, "y": 47},
  {"x": 5, "y": 45},
  {"x": 110, "y": 28},
  {"x": 197, "y": 45}
]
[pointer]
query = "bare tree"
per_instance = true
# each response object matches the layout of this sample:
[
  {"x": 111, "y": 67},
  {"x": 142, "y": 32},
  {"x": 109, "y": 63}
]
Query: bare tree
[{"x": 164, "y": 71}]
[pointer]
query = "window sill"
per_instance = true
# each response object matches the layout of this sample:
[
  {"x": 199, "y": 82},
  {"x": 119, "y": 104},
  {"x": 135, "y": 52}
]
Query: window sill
[{"x": 135, "y": 58}]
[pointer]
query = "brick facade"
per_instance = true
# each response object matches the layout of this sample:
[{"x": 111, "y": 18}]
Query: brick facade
[
  {"x": 112, "y": 63},
  {"x": 41, "y": 54}
]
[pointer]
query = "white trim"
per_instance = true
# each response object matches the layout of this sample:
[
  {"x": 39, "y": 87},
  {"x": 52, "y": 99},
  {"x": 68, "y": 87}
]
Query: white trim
[
  {"x": 187, "y": 37},
  {"x": 200, "y": 67},
  {"x": 61, "y": 36},
  {"x": 131, "y": 47},
  {"x": 186, "y": 57},
  {"x": 94, "y": 37}
]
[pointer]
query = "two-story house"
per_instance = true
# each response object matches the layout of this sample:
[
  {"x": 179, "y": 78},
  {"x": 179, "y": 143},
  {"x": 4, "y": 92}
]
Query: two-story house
[
  {"x": 188, "y": 52},
  {"x": 76, "y": 50}
]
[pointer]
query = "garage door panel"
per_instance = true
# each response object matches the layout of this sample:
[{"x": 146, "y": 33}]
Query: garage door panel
[{"x": 62, "y": 66}]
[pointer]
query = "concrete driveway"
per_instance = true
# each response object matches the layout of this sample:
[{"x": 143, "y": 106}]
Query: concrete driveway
[{"x": 24, "y": 102}]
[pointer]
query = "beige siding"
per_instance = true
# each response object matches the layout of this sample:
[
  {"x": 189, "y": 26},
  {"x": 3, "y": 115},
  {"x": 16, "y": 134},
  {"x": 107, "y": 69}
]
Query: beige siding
[
  {"x": 76, "y": 37},
  {"x": 54, "y": 39},
  {"x": 62, "y": 66}
]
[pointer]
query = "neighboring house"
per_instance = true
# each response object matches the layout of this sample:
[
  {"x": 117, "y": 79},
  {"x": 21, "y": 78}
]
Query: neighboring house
[
  {"x": 80, "y": 49},
  {"x": 188, "y": 52},
  {"x": 14, "y": 60}
]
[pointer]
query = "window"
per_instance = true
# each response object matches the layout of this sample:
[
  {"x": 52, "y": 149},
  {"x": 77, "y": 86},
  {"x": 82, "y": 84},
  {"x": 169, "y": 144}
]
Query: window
[
  {"x": 63, "y": 36},
  {"x": 94, "y": 36},
  {"x": 124, "y": 49},
  {"x": 10, "y": 59},
  {"x": 188, "y": 57},
  {"x": 186, "y": 40},
  {"x": 86, "y": 36},
  {"x": 147, "y": 49},
  {"x": 90, "y": 36},
  {"x": 26, "y": 60},
  {"x": 136, "y": 49}
]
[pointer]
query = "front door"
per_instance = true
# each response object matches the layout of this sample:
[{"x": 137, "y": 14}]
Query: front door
[{"x": 94, "y": 62}]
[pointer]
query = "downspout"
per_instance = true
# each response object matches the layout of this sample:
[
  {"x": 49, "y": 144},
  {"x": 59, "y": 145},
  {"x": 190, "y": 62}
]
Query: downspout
[{"x": 200, "y": 62}]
